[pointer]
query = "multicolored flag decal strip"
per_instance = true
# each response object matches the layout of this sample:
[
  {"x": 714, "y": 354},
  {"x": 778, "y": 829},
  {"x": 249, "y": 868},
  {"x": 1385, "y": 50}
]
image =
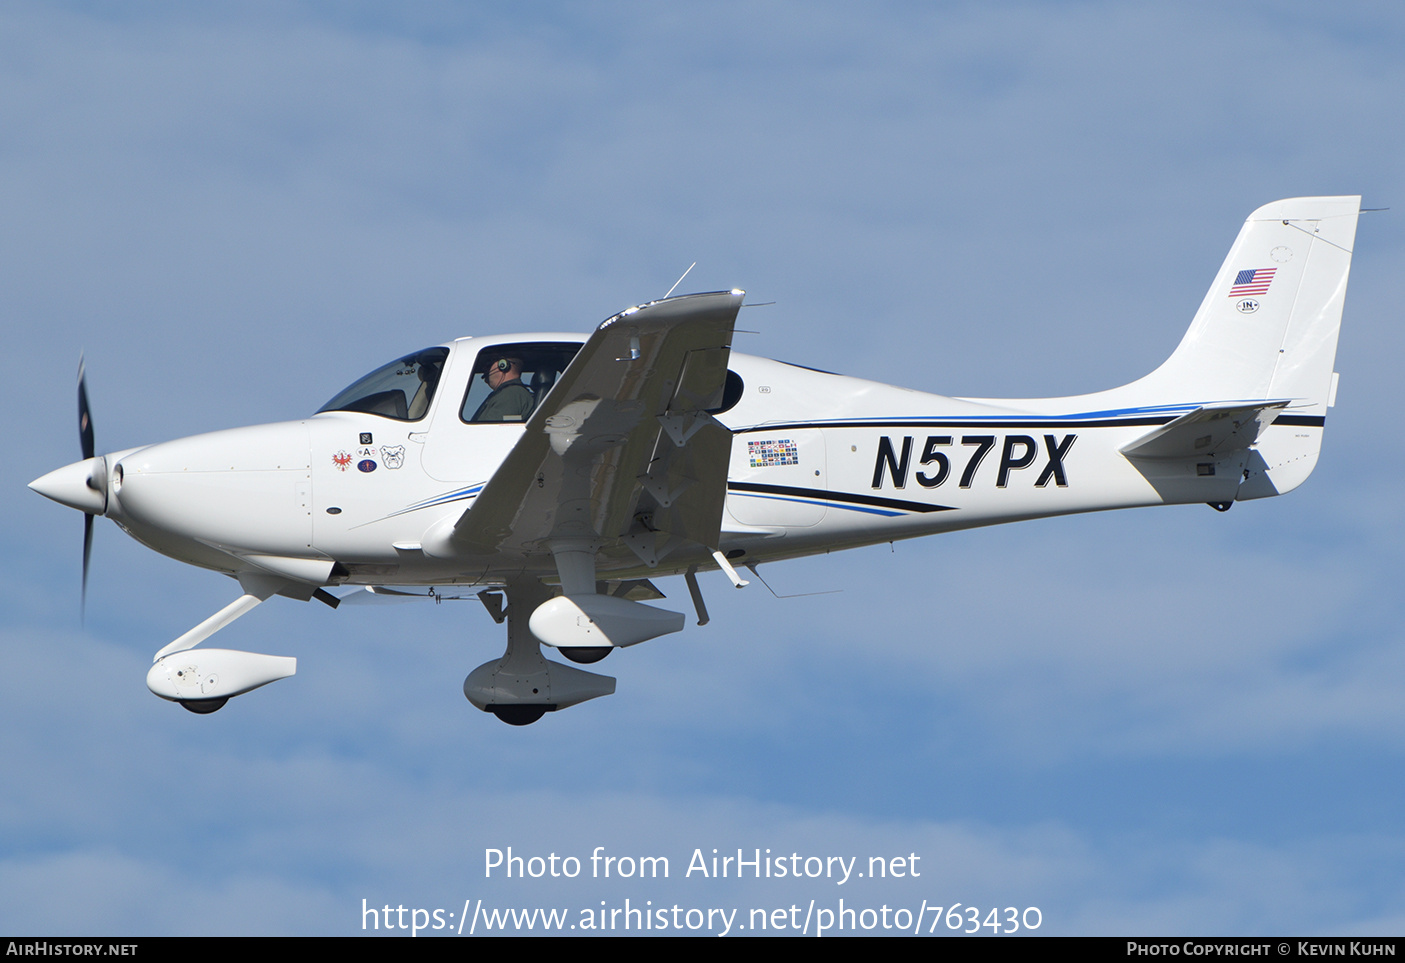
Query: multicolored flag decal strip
[{"x": 773, "y": 451}]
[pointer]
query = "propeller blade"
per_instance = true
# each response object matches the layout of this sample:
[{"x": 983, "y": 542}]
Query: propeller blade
[
  {"x": 85, "y": 440},
  {"x": 87, "y": 554},
  {"x": 85, "y": 418}
]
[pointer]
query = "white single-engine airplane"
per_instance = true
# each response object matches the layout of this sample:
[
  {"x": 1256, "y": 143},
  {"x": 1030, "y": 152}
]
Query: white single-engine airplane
[{"x": 566, "y": 471}]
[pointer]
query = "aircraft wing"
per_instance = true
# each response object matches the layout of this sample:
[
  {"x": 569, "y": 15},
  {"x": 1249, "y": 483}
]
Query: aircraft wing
[
  {"x": 622, "y": 449},
  {"x": 1209, "y": 429}
]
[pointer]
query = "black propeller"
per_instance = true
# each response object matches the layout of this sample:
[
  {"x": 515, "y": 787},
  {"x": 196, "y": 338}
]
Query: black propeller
[
  {"x": 85, "y": 420},
  {"x": 85, "y": 438}
]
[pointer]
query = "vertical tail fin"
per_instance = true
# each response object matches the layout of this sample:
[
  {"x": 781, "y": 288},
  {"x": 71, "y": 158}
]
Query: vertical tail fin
[
  {"x": 1267, "y": 330},
  {"x": 1268, "y": 325}
]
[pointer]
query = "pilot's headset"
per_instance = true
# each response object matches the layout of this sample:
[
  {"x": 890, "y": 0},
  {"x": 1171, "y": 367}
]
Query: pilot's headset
[{"x": 503, "y": 365}]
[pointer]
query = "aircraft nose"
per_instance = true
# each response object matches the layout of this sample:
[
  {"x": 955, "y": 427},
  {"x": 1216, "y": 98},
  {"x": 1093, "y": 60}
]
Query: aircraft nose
[{"x": 80, "y": 485}]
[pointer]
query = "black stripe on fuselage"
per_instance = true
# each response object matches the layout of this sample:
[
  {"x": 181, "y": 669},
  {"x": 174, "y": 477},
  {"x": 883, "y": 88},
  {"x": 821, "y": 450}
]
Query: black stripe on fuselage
[{"x": 819, "y": 493}]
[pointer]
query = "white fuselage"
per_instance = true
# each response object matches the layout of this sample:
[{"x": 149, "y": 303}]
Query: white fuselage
[{"x": 818, "y": 462}]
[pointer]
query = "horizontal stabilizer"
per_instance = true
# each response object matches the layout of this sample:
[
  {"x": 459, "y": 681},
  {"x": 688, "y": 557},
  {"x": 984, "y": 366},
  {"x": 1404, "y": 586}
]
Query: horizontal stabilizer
[{"x": 1209, "y": 429}]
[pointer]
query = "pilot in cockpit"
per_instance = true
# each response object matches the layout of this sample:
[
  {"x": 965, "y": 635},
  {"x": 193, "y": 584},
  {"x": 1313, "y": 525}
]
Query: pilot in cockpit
[{"x": 511, "y": 400}]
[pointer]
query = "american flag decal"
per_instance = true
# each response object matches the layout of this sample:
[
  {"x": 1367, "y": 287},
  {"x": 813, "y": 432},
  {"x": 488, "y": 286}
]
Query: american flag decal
[{"x": 1252, "y": 282}]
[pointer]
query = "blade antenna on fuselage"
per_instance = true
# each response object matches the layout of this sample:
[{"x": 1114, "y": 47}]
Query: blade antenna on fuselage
[
  {"x": 680, "y": 279},
  {"x": 751, "y": 567}
]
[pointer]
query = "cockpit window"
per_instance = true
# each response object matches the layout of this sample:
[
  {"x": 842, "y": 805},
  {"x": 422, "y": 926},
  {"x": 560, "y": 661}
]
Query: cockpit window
[
  {"x": 401, "y": 390},
  {"x": 510, "y": 380}
]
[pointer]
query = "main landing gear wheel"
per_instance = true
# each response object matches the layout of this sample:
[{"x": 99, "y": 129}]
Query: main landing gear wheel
[
  {"x": 204, "y": 706},
  {"x": 585, "y": 654},
  {"x": 523, "y": 685},
  {"x": 518, "y": 715}
]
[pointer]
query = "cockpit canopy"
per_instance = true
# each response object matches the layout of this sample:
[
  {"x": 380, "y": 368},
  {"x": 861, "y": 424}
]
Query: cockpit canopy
[
  {"x": 404, "y": 389},
  {"x": 401, "y": 390}
]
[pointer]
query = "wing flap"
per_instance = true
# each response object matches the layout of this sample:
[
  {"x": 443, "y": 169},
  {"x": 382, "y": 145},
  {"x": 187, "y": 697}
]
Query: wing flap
[{"x": 622, "y": 450}]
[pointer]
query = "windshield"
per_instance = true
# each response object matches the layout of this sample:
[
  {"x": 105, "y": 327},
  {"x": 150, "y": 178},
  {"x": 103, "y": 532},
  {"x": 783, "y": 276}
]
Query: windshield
[{"x": 401, "y": 390}]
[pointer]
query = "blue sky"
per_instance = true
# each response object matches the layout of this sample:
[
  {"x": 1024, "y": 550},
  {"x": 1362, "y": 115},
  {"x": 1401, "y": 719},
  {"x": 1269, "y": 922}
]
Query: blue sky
[{"x": 1168, "y": 721}]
